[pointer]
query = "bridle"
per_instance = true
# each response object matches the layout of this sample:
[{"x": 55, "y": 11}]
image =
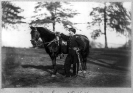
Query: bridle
[
  {"x": 33, "y": 40},
  {"x": 46, "y": 43}
]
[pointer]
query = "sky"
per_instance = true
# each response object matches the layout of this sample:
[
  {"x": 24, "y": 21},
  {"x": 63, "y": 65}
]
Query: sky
[{"x": 21, "y": 37}]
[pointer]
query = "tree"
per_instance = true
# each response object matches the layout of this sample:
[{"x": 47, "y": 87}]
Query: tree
[
  {"x": 10, "y": 13},
  {"x": 58, "y": 13},
  {"x": 114, "y": 15}
]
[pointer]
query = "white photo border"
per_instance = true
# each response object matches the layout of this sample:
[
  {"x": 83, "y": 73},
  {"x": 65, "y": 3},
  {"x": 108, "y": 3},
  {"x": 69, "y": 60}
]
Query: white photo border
[{"x": 66, "y": 90}]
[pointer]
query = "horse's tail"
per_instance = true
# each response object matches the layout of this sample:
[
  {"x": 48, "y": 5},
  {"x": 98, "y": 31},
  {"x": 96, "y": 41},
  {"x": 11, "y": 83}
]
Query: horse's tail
[
  {"x": 86, "y": 53},
  {"x": 87, "y": 48}
]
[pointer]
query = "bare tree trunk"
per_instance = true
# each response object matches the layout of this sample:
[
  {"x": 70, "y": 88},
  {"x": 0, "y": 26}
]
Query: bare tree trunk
[
  {"x": 54, "y": 19},
  {"x": 105, "y": 21},
  {"x": 54, "y": 26}
]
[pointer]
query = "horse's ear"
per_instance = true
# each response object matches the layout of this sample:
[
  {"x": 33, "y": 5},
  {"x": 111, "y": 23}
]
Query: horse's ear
[
  {"x": 57, "y": 33},
  {"x": 31, "y": 27}
]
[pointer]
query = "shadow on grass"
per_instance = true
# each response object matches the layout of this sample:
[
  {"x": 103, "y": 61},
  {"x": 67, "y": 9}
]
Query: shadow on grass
[
  {"x": 9, "y": 64},
  {"x": 47, "y": 68},
  {"x": 111, "y": 66},
  {"x": 119, "y": 59}
]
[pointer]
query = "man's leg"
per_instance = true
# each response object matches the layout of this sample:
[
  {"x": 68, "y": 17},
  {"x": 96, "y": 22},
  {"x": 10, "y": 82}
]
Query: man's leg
[
  {"x": 75, "y": 64},
  {"x": 67, "y": 65}
]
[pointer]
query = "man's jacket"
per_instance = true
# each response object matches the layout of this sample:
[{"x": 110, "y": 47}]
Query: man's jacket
[{"x": 76, "y": 42}]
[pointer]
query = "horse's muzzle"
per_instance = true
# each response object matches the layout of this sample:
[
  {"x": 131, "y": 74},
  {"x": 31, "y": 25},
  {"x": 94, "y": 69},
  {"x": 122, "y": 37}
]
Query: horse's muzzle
[{"x": 33, "y": 42}]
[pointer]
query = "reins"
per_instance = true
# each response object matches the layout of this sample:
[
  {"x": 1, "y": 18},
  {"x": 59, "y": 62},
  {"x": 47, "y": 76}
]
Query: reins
[{"x": 54, "y": 40}]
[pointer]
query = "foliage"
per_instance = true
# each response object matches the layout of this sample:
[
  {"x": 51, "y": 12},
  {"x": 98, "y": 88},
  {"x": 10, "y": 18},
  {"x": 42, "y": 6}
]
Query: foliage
[
  {"x": 117, "y": 16},
  {"x": 39, "y": 21},
  {"x": 58, "y": 13},
  {"x": 96, "y": 33},
  {"x": 10, "y": 13}
]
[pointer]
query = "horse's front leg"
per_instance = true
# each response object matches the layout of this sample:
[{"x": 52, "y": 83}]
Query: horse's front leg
[{"x": 54, "y": 66}]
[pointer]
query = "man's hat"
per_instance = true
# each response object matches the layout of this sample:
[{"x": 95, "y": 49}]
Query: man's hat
[{"x": 72, "y": 29}]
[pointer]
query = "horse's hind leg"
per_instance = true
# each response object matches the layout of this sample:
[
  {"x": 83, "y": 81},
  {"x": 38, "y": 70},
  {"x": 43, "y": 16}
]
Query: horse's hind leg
[{"x": 84, "y": 65}]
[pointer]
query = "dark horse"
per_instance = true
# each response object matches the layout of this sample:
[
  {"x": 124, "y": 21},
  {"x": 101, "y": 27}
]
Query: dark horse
[
  {"x": 55, "y": 46},
  {"x": 63, "y": 48},
  {"x": 48, "y": 37}
]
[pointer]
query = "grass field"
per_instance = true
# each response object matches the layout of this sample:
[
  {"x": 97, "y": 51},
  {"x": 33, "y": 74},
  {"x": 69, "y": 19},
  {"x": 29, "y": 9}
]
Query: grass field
[{"x": 23, "y": 67}]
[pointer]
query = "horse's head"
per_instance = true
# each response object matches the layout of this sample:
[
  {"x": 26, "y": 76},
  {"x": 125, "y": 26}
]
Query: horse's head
[{"x": 34, "y": 36}]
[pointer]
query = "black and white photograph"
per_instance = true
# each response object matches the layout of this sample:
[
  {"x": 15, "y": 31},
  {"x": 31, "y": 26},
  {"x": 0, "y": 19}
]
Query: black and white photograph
[{"x": 66, "y": 44}]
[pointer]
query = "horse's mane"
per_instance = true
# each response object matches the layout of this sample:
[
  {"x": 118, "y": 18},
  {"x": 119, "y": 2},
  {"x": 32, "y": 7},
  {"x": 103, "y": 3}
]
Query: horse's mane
[
  {"x": 45, "y": 34},
  {"x": 64, "y": 37},
  {"x": 46, "y": 30}
]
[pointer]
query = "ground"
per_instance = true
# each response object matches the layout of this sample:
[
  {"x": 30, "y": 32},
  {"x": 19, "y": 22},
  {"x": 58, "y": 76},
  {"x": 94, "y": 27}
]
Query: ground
[{"x": 31, "y": 67}]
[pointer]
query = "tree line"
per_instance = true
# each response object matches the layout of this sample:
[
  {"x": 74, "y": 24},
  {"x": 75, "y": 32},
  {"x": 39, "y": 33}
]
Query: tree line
[{"x": 112, "y": 15}]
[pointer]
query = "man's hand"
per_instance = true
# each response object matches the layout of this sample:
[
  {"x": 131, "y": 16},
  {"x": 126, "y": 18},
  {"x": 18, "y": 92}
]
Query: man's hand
[{"x": 76, "y": 49}]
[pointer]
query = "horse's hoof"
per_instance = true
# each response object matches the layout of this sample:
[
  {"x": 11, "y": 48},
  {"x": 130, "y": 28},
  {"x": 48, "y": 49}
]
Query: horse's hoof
[
  {"x": 84, "y": 72},
  {"x": 79, "y": 71},
  {"x": 36, "y": 47},
  {"x": 53, "y": 76}
]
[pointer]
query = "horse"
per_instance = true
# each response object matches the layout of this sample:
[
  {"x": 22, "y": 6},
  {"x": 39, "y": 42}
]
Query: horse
[
  {"x": 55, "y": 46},
  {"x": 48, "y": 37},
  {"x": 63, "y": 48}
]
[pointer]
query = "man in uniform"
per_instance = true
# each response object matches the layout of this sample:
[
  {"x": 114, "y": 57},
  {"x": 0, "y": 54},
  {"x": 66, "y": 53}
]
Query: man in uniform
[{"x": 74, "y": 44}]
